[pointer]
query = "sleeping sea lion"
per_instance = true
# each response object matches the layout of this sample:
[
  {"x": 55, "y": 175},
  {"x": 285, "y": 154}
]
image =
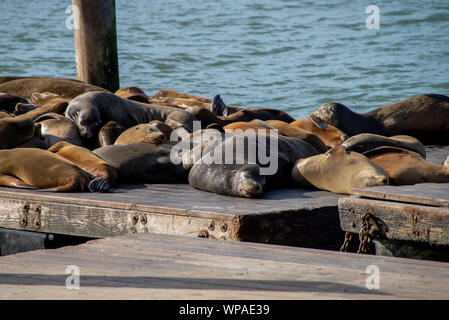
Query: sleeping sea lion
[
  {"x": 8, "y": 102},
  {"x": 91, "y": 110},
  {"x": 105, "y": 175},
  {"x": 143, "y": 163},
  {"x": 367, "y": 141},
  {"x": 109, "y": 133},
  {"x": 331, "y": 136},
  {"x": 155, "y": 132},
  {"x": 339, "y": 171},
  {"x": 405, "y": 167},
  {"x": 14, "y": 131},
  {"x": 36, "y": 168}
]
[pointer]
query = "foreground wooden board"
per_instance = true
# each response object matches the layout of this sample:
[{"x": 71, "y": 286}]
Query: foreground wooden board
[
  {"x": 286, "y": 216},
  {"x": 432, "y": 194},
  {"x": 395, "y": 220},
  {"x": 149, "y": 266}
]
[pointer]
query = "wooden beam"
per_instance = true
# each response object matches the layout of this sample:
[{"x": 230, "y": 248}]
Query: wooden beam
[{"x": 96, "y": 43}]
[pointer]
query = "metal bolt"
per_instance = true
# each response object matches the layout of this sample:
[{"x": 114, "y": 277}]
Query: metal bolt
[
  {"x": 132, "y": 230},
  {"x": 145, "y": 229},
  {"x": 211, "y": 225},
  {"x": 143, "y": 219},
  {"x": 37, "y": 223},
  {"x": 134, "y": 219},
  {"x": 23, "y": 220},
  {"x": 37, "y": 210},
  {"x": 224, "y": 227}
]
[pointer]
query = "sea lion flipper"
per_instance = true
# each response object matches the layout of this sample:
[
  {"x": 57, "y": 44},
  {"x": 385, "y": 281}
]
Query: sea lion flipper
[
  {"x": 219, "y": 107},
  {"x": 10, "y": 181},
  {"x": 99, "y": 185},
  {"x": 318, "y": 122}
]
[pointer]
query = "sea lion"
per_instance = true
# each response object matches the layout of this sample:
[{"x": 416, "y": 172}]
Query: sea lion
[
  {"x": 367, "y": 141},
  {"x": 338, "y": 171},
  {"x": 168, "y": 93},
  {"x": 143, "y": 163},
  {"x": 105, "y": 175},
  {"x": 258, "y": 126},
  {"x": 425, "y": 117},
  {"x": 14, "y": 131},
  {"x": 133, "y": 93},
  {"x": 109, "y": 133},
  {"x": 239, "y": 180},
  {"x": 155, "y": 132},
  {"x": 406, "y": 167},
  {"x": 92, "y": 109},
  {"x": 36, "y": 168},
  {"x": 272, "y": 157},
  {"x": 66, "y": 88},
  {"x": 331, "y": 136},
  {"x": 47, "y": 98},
  {"x": 35, "y": 111},
  {"x": 8, "y": 101},
  {"x": 295, "y": 132},
  {"x": 54, "y": 128}
]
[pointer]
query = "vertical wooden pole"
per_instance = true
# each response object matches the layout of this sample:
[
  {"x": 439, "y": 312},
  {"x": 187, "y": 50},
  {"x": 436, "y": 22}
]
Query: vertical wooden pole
[{"x": 96, "y": 43}]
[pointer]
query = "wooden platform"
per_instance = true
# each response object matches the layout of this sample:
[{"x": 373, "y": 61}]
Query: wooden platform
[
  {"x": 286, "y": 216},
  {"x": 149, "y": 266}
]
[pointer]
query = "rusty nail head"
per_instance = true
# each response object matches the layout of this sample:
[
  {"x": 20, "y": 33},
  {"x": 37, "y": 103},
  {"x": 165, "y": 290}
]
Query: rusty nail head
[
  {"x": 37, "y": 223},
  {"x": 132, "y": 230},
  {"x": 143, "y": 219},
  {"x": 134, "y": 219},
  {"x": 37, "y": 210},
  {"x": 211, "y": 225},
  {"x": 224, "y": 227},
  {"x": 26, "y": 207},
  {"x": 23, "y": 220}
]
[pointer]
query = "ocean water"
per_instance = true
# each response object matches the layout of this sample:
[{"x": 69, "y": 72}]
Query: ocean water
[{"x": 291, "y": 55}]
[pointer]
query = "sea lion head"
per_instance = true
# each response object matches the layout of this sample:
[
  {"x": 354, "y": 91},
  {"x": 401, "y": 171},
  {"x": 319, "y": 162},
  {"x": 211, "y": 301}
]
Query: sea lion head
[
  {"x": 329, "y": 113},
  {"x": 87, "y": 119},
  {"x": 248, "y": 182}
]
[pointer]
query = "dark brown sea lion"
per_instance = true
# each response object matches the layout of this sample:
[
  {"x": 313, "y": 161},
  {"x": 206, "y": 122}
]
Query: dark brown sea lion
[
  {"x": 109, "y": 133},
  {"x": 54, "y": 128},
  {"x": 14, "y": 131},
  {"x": 133, "y": 93},
  {"x": 425, "y": 117},
  {"x": 67, "y": 88},
  {"x": 152, "y": 132},
  {"x": 143, "y": 163},
  {"x": 339, "y": 171},
  {"x": 105, "y": 175},
  {"x": 8, "y": 102},
  {"x": 90, "y": 110},
  {"x": 36, "y": 168},
  {"x": 262, "y": 161},
  {"x": 405, "y": 167},
  {"x": 331, "y": 136},
  {"x": 367, "y": 141}
]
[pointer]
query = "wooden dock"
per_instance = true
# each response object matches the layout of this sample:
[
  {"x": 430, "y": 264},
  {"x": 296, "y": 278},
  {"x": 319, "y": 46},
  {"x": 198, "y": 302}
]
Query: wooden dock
[
  {"x": 150, "y": 266},
  {"x": 286, "y": 216}
]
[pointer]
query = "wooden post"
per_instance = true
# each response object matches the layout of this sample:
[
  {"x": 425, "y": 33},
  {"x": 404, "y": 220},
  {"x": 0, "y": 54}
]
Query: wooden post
[{"x": 96, "y": 43}]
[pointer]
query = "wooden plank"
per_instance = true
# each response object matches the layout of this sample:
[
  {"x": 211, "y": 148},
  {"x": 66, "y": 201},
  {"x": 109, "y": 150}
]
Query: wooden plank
[
  {"x": 288, "y": 216},
  {"x": 432, "y": 194},
  {"x": 436, "y": 154},
  {"x": 148, "y": 266},
  {"x": 396, "y": 221}
]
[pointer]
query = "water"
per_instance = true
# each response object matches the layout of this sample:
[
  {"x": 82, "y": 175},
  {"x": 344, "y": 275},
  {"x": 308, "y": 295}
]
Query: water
[{"x": 291, "y": 55}]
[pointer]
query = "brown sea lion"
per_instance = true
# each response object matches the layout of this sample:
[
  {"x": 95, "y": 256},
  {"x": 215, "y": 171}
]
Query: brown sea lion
[
  {"x": 36, "y": 168},
  {"x": 67, "y": 88},
  {"x": 109, "y": 133},
  {"x": 133, "y": 93},
  {"x": 8, "y": 101},
  {"x": 425, "y": 117},
  {"x": 331, "y": 136},
  {"x": 168, "y": 93},
  {"x": 47, "y": 98},
  {"x": 90, "y": 110},
  {"x": 295, "y": 132},
  {"x": 152, "y": 132},
  {"x": 338, "y": 171},
  {"x": 14, "y": 131},
  {"x": 143, "y": 163},
  {"x": 257, "y": 126},
  {"x": 105, "y": 175},
  {"x": 367, "y": 141},
  {"x": 405, "y": 167}
]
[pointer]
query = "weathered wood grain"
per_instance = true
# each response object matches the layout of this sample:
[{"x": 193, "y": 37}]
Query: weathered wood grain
[
  {"x": 149, "y": 266},
  {"x": 396, "y": 221}
]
